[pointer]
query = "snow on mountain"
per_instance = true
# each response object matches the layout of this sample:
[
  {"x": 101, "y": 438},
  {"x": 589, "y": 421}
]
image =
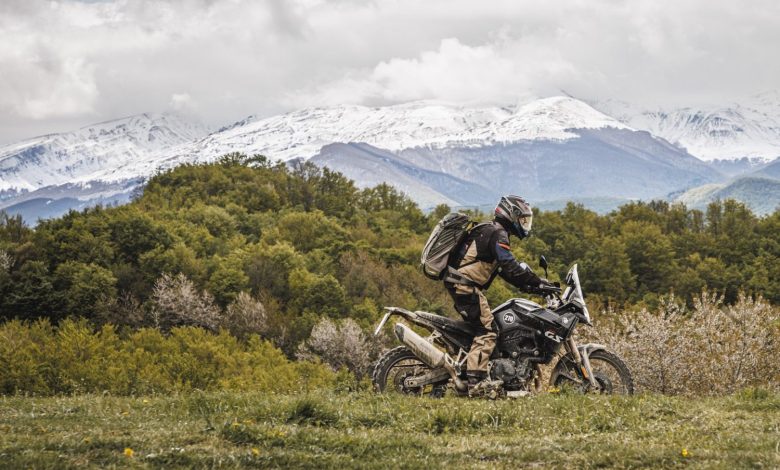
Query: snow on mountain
[
  {"x": 109, "y": 151},
  {"x": 436, "y": 152},
  {"x": 301, "y": 134},
  {"x": 140, "y": 145},
  {"x": 748, "y": 129}
]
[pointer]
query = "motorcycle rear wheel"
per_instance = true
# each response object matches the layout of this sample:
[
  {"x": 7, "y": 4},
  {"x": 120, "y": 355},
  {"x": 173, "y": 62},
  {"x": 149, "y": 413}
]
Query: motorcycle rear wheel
[{"x": 398, "y": 364}]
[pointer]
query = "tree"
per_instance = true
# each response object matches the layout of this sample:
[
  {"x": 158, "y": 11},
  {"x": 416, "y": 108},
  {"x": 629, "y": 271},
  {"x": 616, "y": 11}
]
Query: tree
[
  {"x": 134, "y": 233},
  {"x": 607, "y": 269},
  {"x": 309, "y": 230},
  {"x": 84, "y": 288},
  {"x": 268, "y": 269},
  {"x": 651, "y": 257},
  {"x": 31, "y": 294},
  {"x": 227, "y": 280},
  {"x": 339, "y": 345},
  {"x": 321, "y": 294}
]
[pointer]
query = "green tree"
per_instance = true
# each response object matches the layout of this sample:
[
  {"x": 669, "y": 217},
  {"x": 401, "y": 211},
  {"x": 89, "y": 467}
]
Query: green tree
[
  {"x": 319, "y": 294},
  {"x": 607, "y": 269},
  {"x": 268, "y": 269},
  {"x": 651, "y": 257},
  {"x": 133, "y": 233},
  {"x": 32, "y": 294},
  {"x": 228, "y": 280},
  {"x": 84, "y": 287}
]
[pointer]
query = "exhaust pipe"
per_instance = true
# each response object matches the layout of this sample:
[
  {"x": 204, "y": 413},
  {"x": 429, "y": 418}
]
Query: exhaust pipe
[{"x": 428, "y": 353}]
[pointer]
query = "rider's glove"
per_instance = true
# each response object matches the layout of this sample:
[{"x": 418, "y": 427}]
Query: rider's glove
[{"x": 545, "y": 286}]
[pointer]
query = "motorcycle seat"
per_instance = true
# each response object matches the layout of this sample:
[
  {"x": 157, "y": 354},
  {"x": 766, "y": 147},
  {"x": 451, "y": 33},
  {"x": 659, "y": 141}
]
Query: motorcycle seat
[{"x": 449, "y": 325}]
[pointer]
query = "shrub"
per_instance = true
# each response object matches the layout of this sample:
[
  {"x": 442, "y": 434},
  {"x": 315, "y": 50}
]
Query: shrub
[
  {"x": 177, "y": 302},
  {"x": 245, "y": 316},
  {"x": 72, "y": 358},
  {"x": 713, "y": 349},
  {"x": 6, "y": 261},
  {"x": 339, "y": 345}
]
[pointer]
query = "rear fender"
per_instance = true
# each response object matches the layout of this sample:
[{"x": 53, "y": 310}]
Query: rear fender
[
  {"x": 452, "y": 344},
  {"x": 411, "y": 317}
]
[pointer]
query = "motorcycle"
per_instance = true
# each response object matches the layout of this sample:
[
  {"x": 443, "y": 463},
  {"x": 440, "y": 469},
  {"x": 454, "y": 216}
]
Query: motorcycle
[{"x": 528, "y": 336}]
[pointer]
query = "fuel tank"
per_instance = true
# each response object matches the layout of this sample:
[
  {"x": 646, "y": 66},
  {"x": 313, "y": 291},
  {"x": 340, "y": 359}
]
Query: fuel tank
[{"x": 517, "y": 316}]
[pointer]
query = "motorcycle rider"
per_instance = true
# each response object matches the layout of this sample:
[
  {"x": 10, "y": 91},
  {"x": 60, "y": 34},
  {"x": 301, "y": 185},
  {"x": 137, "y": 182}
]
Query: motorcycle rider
[{"x": 485, "y": 253}]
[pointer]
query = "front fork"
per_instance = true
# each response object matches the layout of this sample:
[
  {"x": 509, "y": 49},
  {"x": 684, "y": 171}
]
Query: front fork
[{"x": 582, "y": 360}]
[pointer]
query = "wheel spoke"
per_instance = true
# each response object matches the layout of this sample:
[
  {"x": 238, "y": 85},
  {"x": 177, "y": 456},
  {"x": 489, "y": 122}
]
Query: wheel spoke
[{"x": 396, "y": 367}]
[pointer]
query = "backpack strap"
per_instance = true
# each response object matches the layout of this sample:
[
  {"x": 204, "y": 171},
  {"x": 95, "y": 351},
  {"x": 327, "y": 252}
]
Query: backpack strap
[{"x": 453, "y": 276}]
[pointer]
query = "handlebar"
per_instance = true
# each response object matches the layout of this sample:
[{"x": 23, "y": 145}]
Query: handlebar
[{"x": 549, "y": 289}]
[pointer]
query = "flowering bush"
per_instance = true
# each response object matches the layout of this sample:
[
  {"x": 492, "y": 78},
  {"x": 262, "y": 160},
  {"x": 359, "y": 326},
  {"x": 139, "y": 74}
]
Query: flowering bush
[
  {"x": 712, "y": 349},
  {"x": 339, "y": 345},
  {"x": 246, "y": 316},
  {"x": 177, "y": 302}
]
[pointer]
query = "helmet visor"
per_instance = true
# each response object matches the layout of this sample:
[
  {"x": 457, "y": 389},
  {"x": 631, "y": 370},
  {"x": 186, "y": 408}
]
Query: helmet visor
[{"x": 526, "y": 221}]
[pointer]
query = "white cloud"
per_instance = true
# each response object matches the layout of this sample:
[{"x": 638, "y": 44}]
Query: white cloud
[
  {"x": 182, "y": 102},
  {"x": 502, "y": 71},
  {"x": 69, "y": 89},
  {"x": 85, "y": 61}
]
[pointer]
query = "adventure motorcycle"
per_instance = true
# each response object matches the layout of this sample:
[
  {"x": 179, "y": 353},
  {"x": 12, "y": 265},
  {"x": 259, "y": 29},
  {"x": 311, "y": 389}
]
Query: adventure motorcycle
[{"x": 529, "y": 336}]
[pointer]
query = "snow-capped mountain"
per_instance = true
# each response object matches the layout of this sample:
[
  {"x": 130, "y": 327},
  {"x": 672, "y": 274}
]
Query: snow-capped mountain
[
  {"x": 138, "y": 146},
  {"x": 100, "y": 152},
  {"x": 301, "y": 134},
  {"x": 557, "y": 147},
  {"x": 719, "y": 132}
]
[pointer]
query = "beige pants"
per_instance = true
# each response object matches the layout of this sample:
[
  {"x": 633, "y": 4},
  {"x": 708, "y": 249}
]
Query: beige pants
[{"x": 482, "y": 347}]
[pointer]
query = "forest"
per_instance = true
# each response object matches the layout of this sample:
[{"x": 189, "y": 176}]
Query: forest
[{"x": 300, "y": 258}]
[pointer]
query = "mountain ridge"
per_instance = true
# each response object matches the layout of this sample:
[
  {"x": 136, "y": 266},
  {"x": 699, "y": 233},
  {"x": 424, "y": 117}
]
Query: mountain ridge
[
  {"x": 750, "y": 128},
  {"x": 435, "y": 151}
]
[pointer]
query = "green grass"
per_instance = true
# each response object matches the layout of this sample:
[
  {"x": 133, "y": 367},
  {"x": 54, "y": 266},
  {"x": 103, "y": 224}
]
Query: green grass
[{"x": 330, "y": 430}]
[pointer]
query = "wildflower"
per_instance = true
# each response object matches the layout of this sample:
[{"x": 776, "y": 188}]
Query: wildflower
[
  {"x": 684, "y": 452},
  {"x": 128, "y": 452},
  {"x": 145, "y": 401},
  {"x": 255, "y": 451},
  {"x": 553, "y": 390}
]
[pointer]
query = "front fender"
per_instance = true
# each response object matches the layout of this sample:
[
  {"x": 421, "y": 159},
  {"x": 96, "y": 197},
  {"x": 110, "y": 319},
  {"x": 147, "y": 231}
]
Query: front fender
[
  {"x": 587, "y": 349},
  {"x": 566, "y": 365}
]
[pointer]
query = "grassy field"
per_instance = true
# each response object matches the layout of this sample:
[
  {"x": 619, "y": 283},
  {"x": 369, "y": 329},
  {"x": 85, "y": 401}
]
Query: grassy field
[{"x": 351, "y": 430}]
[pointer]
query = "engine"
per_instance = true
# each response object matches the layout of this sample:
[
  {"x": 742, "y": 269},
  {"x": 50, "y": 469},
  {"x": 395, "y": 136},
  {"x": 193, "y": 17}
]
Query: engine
[{"x": 514, "y": 373}]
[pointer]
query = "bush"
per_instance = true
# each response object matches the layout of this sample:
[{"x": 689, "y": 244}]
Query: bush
[
  {"x": 339, "y": 345},
  {"x": 40, "y": 359},
  {"x": 246, "y": 316},
  {"x": 713, "y": 349},
  {"x": 177, "y": 302}
]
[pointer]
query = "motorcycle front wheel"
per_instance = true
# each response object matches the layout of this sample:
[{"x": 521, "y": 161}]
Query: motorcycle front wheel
[
  {"x": 611, "y": 373},
  {"x": 395, "y": 366}
]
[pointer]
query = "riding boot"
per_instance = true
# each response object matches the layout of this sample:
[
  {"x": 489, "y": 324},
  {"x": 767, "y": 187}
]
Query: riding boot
[{"x": 475, "y": 379}]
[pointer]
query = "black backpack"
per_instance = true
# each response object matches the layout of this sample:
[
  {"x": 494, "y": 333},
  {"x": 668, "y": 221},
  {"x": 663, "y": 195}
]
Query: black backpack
[{"x": 445, "y": 237}]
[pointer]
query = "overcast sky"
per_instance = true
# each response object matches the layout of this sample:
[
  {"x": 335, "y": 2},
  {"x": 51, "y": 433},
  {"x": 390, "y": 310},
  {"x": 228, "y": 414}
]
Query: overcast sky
[{"x": 68, "y": 63}]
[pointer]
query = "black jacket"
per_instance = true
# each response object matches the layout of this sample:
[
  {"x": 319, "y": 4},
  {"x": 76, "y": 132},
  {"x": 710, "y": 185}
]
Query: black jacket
[{"x": 486, "y": 252}]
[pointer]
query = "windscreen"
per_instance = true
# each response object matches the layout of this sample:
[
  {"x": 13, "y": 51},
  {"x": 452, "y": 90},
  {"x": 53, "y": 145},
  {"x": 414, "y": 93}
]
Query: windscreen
[{"x": 574, "y": 291}]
